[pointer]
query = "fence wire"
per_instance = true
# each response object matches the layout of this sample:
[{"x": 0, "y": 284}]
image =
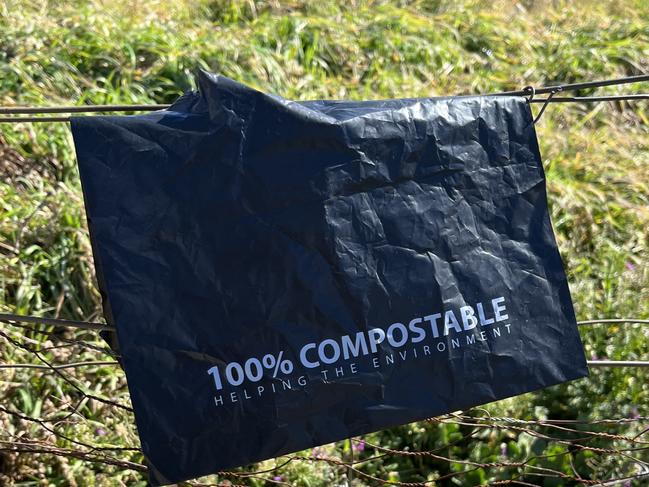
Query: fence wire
[
  {"x": 64, "y": 397},
  {"x": 10, "y": 112},
  {"x": 90, "y": 395}
]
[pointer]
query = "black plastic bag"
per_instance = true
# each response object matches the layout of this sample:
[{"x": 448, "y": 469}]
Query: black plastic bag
[{"x": 286, "y": 274}]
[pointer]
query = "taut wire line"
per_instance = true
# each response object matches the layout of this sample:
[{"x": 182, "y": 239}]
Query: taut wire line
[
  {"x": 71, "y": 365},
  {"x": 550, "y": 90},
  {"x": 81, "y": 109},
  {"x": 12, "y": 318},
  {"x": 7, "y": 317},
  {"x": 578, "y": 86},
  {"x": 91, "y": 109}
]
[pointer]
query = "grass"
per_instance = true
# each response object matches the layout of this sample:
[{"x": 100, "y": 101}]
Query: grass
[{"x": 77, "y": 52}]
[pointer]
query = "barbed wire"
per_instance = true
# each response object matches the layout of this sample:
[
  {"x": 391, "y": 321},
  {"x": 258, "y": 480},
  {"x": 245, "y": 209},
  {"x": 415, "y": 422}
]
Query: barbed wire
[
  {"x": 138, "y": 108},
  {"x": 17, "y": 111},
  {"x": 80, "y": 396},
  {"x": 14, "y": 320},
  {"x": 602, "y": 439}
]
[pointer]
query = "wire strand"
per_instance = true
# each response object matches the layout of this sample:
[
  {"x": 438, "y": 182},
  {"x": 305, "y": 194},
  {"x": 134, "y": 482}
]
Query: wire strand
[
  {"x": 71, "y": 365},
  {"x": 579, "y": 86},
  {"x": 545, "y": 105},
  {"x": 7, "y": 317},
  {"x": 81, "y": 109},
  {"x": 153, "y": 107},
  {"x": 74, "y": 365},
  {"x": 592, "y": 99},
  {"x": 546, "y": 101},
  {"x": 617, "y": 363},
  {"x": 33, "y": 119},
  {"x": 613, "y": 320}
]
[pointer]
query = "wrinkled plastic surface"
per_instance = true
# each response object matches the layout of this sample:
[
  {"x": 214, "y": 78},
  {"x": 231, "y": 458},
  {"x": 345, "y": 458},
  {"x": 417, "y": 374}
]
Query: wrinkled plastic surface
[{"x": 238, "y": 225}]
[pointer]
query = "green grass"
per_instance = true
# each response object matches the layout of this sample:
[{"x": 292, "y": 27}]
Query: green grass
[{"x": 596, "y": 158}]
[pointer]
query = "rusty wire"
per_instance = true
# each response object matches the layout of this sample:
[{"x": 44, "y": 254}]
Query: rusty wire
[
  {"x": 626, "y": 439},
  {"x": 14, "y": 319}
]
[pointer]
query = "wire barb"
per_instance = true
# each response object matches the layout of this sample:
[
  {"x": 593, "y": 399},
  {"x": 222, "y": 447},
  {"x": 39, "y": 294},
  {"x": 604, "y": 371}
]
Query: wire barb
[
  {"x": 545, "y": 105},
  {"x": 532, "y": 91}
]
